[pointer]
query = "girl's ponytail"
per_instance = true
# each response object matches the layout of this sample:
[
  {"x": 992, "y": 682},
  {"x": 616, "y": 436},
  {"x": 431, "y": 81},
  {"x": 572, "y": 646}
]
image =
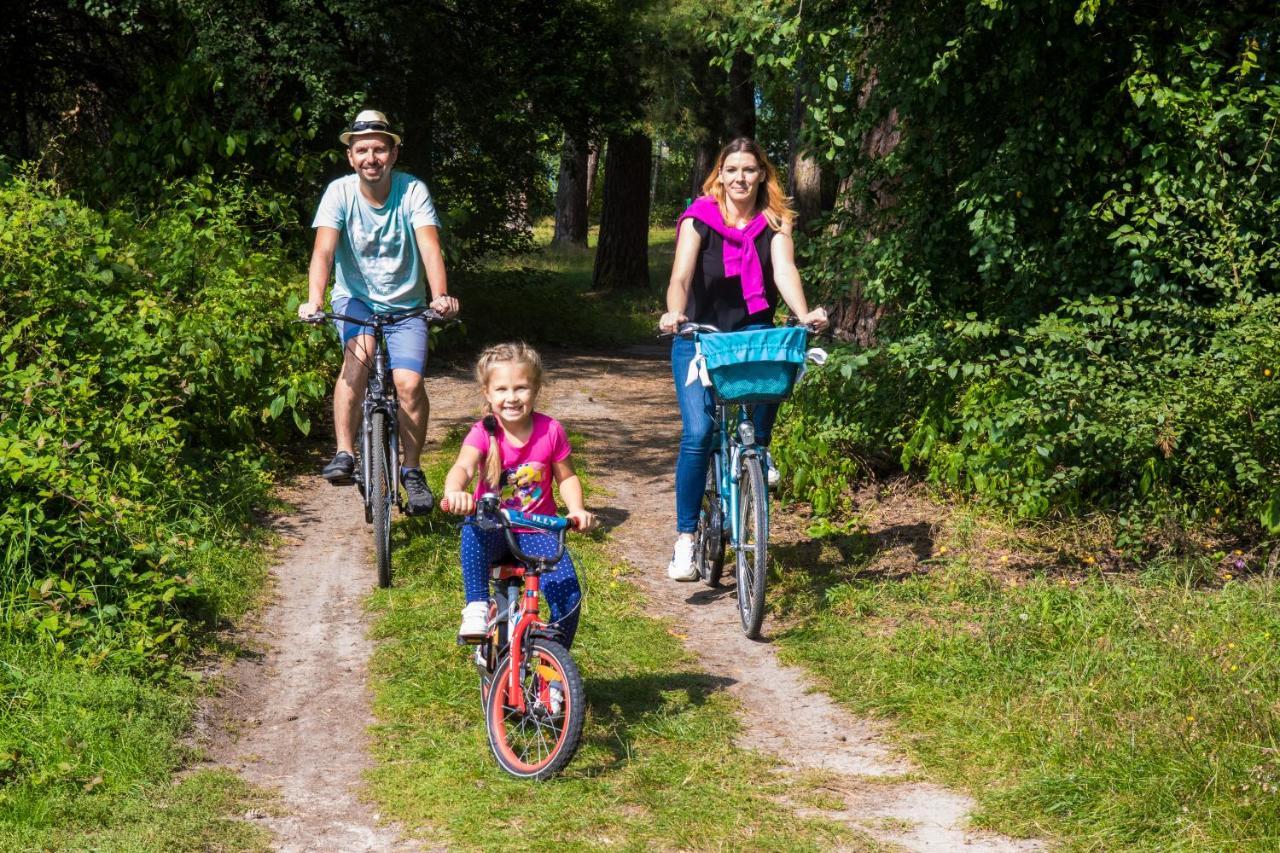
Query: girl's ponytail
[{"x": 493, "y": 459}]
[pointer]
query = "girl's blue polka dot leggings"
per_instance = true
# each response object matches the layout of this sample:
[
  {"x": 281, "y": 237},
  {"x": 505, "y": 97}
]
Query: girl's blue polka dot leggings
[{"x": 481, "y": 548}]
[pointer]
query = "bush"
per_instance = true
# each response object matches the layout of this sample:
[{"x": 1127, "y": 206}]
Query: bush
[{"x": 145, "y": 364}]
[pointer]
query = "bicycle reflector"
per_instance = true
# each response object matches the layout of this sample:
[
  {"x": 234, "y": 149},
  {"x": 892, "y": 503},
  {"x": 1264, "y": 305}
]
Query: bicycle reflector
[{"x": 747, "y": 432}]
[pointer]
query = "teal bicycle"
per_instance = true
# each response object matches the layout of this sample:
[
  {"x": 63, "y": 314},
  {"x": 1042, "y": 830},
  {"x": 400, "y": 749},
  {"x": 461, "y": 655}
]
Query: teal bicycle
[{"x": 741, "y": 369}]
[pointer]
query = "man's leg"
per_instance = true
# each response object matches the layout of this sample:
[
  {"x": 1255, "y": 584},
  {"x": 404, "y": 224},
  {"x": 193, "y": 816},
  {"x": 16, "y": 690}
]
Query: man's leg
[
  {"x": 348, "y": 394},
  {"x": 407, "y": 346}
]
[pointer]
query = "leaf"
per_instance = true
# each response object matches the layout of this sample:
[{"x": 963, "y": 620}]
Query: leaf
[{"x": 1270, "y": 514}]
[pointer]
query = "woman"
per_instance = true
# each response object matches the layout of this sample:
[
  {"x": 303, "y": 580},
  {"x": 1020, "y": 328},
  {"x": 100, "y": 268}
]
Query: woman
[{"x": 734, "y": 260}]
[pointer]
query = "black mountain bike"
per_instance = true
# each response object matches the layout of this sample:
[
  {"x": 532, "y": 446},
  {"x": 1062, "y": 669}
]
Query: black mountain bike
[{"x": 377, "y": 473}]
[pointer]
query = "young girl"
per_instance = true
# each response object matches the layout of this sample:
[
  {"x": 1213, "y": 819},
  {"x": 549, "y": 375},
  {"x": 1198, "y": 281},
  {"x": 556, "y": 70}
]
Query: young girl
[{"x": 517, "y": 452}]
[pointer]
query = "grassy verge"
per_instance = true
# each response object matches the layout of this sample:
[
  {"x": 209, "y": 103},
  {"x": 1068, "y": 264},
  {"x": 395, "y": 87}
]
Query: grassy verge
[
  {"x": 1116, "y": 711},
  {"x": 545, "y": 297},
  {"x": 87, "y": 755},
  {"x": 657, "y": 768}
]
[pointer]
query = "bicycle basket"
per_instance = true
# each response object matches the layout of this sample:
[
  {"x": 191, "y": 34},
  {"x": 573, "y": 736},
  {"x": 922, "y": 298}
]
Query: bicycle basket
[{"x": 758, "y": 366}]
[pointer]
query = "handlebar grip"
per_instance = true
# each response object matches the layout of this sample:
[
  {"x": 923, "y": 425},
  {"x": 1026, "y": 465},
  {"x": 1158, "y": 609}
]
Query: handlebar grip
[{"x": 444, "y": 504}]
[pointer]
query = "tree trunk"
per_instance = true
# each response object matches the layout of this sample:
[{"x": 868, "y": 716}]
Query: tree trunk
[
  {"x": 571, "y": 195},
  {"x": 707, "y": 103},
  {"x": 804, "y": 175},
  {"x": 622, "y": 257},
  {"x": 740, "y": 115},
  {"x": 593, "y": 166}
]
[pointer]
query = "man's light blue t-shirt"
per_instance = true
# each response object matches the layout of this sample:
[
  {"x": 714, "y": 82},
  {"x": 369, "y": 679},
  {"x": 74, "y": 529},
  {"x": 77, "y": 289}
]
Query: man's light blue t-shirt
[{"x": 377, "y": 257}]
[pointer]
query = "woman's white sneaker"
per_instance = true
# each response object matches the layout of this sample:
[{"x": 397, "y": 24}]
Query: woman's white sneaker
[{"x": 681, "y": 567}]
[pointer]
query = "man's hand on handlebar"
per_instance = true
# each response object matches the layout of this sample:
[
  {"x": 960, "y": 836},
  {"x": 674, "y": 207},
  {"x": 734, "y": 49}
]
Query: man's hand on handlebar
[
  {"x": 446, "y": 306},
  {"x": 458, "y": 503},
  {"x": 309, "y": 312}
]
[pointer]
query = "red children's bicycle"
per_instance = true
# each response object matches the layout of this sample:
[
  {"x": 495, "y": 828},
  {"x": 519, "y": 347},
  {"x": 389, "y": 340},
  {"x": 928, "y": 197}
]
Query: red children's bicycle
[{"x": 531, "y": 690}]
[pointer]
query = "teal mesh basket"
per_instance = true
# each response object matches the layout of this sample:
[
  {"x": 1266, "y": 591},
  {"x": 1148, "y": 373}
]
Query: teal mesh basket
[{"x": 754, "y": 367}]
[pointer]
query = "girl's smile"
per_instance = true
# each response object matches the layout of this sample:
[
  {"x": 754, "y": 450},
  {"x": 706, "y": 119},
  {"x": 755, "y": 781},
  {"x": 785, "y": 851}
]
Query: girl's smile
[{"x": 510, "y": 393}]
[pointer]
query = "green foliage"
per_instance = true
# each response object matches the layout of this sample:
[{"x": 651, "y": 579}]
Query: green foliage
[
  {"x": 144, "y": 363},
  {"x": 1072, "y": 217}
]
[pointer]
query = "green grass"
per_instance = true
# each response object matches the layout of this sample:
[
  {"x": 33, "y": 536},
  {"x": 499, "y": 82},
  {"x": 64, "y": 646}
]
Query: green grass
[
  {"x": 545, "y": 297},
  {"x": 88, "y": 753},
  {"x": 1130, "y": 712},
  {"x": 657, "y": 767}
]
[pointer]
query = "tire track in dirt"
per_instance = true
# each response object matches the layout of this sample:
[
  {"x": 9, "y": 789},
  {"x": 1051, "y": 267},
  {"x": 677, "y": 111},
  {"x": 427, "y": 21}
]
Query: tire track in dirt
[
  {"x": 626, "y": 405},
  {"x": 293, "y": 718}
]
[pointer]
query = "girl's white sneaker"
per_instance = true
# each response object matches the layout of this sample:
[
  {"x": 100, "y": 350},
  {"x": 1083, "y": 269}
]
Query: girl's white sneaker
[{"x": 475, "y": 617}]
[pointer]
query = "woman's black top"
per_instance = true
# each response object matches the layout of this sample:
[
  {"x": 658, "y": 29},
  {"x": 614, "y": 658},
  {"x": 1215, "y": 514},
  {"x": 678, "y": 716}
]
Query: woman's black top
[{"x": 716, "y": 299}]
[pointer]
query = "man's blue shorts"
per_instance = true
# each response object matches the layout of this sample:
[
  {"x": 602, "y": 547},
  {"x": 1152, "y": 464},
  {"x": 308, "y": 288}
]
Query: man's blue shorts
[{"x": 406, "y": 340}]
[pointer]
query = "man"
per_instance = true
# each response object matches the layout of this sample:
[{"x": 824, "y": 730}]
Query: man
[{"x": 382, "y": 229}]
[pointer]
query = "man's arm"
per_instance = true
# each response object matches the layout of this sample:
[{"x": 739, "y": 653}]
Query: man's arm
[
  {"x": 428, "y": 240},
  {"x": 318, "y": 273}
]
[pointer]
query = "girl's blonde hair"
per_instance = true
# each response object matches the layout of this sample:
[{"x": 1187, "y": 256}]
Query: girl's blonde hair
[
  {"x": 512, "y": 353},
  {"x": 770, "y": 199}
]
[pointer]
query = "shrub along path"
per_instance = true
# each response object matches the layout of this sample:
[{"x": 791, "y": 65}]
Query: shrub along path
[{"x": 625, "y": 407}]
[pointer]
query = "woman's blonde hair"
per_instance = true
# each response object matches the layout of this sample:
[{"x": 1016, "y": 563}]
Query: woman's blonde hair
[
  {"x": 512, "y": 353},
  {"x": 770, "y": 199}
]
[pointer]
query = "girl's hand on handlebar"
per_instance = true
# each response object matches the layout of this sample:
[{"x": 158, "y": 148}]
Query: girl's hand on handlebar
[
  {"x": 670, "y": 322},
  {"x": 458, "y": 503},
  {"x": 817, "y": 319},
  {"x": 583, "y": 521}
]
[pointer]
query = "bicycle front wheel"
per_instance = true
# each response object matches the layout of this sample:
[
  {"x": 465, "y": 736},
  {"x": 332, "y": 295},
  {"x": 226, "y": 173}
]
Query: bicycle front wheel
[
  {"x": 380, "y": 496},
  {"x": 540, "y": 740},
  {"x": 752, "y": 552}
]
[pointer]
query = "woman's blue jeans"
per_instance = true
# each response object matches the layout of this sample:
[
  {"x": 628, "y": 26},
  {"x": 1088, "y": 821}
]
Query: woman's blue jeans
[{"x": 697, "y": 410}]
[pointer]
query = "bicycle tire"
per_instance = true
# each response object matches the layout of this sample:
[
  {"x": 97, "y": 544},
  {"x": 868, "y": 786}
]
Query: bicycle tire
[
  {"x": 709, "y": 540},
  {"x": 536, "y": 743},
  {"x": 380, "y": 496},
  {"x": 752, "y": 552}
]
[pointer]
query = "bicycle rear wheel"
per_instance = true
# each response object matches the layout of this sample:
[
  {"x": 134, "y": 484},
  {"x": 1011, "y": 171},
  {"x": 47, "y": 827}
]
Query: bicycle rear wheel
[
  {"x": 752, "y": 552},
  {"x": 539, "y": 741},
  {"x": 380, "y": 496}
]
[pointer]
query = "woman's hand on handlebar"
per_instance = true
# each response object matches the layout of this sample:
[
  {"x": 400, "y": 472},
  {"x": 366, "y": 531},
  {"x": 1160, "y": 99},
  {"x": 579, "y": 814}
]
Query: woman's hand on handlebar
[
  {"x": 670, "y": 322},
  {"x": 458, "y": 503},
  {"x": 816, "y": 319}
]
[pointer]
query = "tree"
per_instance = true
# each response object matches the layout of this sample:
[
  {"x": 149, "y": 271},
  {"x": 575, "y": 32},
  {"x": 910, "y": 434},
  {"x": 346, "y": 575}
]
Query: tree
[
  {"x": 622, "y": 258},
  {"x": 571, "y": 194}
]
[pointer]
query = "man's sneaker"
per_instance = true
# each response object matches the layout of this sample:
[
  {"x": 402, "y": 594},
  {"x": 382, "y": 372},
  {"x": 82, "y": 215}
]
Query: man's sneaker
[
  {"x": 415, "y": 485},
  {"x": 771, "y": 475},
  {"x": 474, "y": 618},
  {"x": 340, "y": 468},
  {"x": 681, "y": 567}
]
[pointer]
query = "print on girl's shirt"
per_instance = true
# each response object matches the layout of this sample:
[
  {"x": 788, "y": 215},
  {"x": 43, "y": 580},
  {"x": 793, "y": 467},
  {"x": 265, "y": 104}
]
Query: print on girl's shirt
[{"x": 523, "y": 489}]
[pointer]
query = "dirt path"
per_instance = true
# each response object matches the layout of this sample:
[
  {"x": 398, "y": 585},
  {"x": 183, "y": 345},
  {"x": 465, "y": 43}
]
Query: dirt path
[
  {"x": 625, "y": 404},
  {"x": 293, "y": 718}
]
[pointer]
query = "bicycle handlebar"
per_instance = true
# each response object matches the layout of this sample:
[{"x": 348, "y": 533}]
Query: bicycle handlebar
[
  {"x": 490, "y": 516},
  {"x": 687, "y": 329},
  {"x": 378, "y": 319}
]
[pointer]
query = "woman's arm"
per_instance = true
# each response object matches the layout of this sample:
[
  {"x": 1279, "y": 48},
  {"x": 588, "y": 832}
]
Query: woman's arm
[
  {"x": 687, "y": 245},
  {"x": 571, "y": 492},
  {"x": 787, "y": 278},
  {"x": 456, "y": 497}
]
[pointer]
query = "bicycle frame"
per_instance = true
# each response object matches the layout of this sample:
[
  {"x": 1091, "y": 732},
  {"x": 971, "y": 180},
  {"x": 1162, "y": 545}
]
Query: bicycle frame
[
  {"x": 726, "y": 456},
  {"x": 380, "y": 396}
]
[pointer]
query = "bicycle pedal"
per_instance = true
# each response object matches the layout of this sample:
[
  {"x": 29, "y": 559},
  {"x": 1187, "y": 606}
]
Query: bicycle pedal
[{"x": 470, "y": 640}]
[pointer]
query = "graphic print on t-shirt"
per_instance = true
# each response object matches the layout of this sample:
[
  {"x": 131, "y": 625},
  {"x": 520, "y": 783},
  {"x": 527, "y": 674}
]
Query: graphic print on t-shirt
[{"x": 523, "y": 487}]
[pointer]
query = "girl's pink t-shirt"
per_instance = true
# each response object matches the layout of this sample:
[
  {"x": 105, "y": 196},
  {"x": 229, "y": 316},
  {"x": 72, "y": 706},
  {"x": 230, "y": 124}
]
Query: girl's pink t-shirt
[{"x": 528, "y": 468}]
